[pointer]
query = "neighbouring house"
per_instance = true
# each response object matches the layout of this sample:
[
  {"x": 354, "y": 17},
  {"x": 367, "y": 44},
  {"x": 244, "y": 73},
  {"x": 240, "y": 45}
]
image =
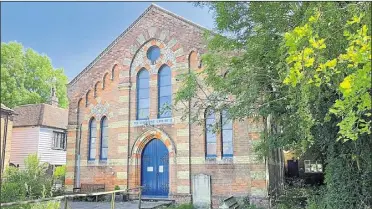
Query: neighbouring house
[
  {"x": 307, "y": 166},
  {"x": 40, "y": 129},
  {"x": 7, "y": 115},
  {"x": 119, "y": 134}
]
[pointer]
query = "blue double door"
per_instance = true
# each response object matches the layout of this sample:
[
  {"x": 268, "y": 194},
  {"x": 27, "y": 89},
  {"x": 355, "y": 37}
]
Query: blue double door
[{"x": 155, "y": 169}]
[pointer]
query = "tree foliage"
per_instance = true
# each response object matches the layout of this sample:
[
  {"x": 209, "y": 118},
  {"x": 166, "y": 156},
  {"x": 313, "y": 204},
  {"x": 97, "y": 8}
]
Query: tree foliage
[
  {"x": 60, "y": 173},
  {"x": 27, "y": 77},
  {"x": 305, "y": 65},
  {"x": 349, "y": 73}
]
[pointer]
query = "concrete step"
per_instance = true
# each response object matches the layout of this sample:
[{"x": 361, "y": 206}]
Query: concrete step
[
  {"x": 156, "y": 199},
  {"x": 153, "y": 204}
]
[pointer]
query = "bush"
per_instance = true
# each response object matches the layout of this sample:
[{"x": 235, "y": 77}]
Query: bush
[
  {"x": 46, "y": 205},
  {"x": 60, "y": 173},
  {"x": 117, "y": 187},
  {"x": 251, "y": 206},
  {"x": 181, "y": 206},
  {"x": 31, "y": 183}
]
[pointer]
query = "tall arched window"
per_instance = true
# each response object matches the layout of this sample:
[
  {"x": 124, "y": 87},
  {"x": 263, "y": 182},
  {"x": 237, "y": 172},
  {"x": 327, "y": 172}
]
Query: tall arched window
[
  {"x": 104, "y": 139},
  {"x": 227, "y": 135},
  {"x": 143, "y": 90},
  {"x": 210, "y": 136},
  {"x": 165, "y": 92},
  {"x": 92, "y": 139}
]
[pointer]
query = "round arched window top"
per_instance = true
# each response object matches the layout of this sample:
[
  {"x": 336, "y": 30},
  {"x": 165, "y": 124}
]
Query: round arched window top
[{"x": 153, "y": 53}]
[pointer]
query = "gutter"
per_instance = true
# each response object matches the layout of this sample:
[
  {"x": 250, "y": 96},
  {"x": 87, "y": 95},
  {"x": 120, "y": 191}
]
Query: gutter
[
  {"x": 77, "y": 158},
  {"x": 129, "y": 120},
  {"x": 77, "y": 149}
]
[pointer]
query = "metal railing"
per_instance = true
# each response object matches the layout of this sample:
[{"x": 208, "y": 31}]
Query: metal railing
[{"x": 66, "y": 197}]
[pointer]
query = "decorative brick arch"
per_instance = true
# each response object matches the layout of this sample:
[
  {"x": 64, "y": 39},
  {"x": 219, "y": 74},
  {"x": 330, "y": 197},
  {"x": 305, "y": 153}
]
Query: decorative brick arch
[
  {"x": 115, "y": 69},
  {"x": 140, "y": 59},
  {"x": 136, "y": 152},
  {"x": 147, "y": 136},
  {"x": 172, "y": 50},
  {"x": 193, "y": 49}
]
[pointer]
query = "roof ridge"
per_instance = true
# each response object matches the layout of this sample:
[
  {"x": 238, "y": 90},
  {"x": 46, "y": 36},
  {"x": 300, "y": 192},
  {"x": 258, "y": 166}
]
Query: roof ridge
[
  {"x": 152, "y": 5},
  {"x": 55, "y": 106},
  {"x": 24, "y": 105},
  {"x": 180, "y": 17}
]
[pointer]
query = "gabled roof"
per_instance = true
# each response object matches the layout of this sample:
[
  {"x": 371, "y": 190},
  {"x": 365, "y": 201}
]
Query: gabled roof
[
  {"x": 6, "y": 109},
  {"x": 152, "y": 6},
  {"x": 40, "y": 115}
]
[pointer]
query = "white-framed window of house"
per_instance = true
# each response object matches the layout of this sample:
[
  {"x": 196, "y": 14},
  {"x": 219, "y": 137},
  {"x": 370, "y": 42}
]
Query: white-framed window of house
[
  {"x": 312, "y": 166},
  {"x": 59, "y": 140}
]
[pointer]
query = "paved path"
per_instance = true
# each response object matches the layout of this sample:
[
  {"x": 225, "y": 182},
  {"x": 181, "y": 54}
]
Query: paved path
[{"x": 118, "y": 205}]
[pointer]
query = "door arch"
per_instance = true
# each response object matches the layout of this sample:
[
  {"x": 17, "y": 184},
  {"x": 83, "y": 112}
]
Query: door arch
[{"x": 155, "y": 169}]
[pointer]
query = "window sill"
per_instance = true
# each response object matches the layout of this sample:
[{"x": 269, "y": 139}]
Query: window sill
[
  {"x": 61, "y": 149},
  {"x": 102, "y": 161},
  {"x": 227, "y": 160},
  {"x": 211, "y": 160}
]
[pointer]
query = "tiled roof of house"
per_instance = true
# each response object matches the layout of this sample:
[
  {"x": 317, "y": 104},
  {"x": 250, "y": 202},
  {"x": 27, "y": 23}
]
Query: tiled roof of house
[
  {"x": 5, "y": 108},
  {"x": 40, "y": 115}
]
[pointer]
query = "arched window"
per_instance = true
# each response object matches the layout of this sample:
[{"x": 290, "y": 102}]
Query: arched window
[
  {"x": 87, "y": 99},
  {"x": 227, "y": 135},
  {"x": 153, "y": 53},
  {"x": 104, "y": 139},
  {"x": 143, "y": 90},
  {"x": 210, "y": 136},
  {"x": 164, "y": 92},
  {"x": 193, "y": 60},
  {"x": 92, "y": 139}
]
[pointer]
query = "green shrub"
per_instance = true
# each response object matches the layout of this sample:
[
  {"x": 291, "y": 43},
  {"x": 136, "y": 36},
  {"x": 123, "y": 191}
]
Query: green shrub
[
  {"x": 46, "y": 205},
  {"x": 117, "y": 187},
  {"x": 182, "y": 206},
  {"x": 30, "y": 183},
  {"x": 60, "y": 173},
  {"x": 251, "y": 206}
]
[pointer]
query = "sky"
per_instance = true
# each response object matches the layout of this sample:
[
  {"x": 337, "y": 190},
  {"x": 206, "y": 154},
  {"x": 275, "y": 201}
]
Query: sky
[{"x": 73, "y": 34}]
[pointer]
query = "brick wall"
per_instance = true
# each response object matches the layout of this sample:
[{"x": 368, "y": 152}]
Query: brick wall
[{"x": 181, "y": 44}]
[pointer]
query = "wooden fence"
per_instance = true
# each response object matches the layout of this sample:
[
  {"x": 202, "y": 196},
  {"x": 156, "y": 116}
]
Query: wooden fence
[{"x": 65, "y": 198}]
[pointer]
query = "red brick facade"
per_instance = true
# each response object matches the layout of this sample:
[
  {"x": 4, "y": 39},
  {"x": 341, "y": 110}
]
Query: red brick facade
[{"x": 181, "y": 43}]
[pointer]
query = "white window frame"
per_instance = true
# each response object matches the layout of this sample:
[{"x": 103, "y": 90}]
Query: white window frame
[
  {"x": 57, "y": 137},
  {"x": 312, "y": 166}
]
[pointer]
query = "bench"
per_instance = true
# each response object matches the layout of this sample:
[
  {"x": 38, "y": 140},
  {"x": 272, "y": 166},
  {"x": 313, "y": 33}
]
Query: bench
[
  {"x": 90, "y": 188},
  {"x": 230, "y": 203}
]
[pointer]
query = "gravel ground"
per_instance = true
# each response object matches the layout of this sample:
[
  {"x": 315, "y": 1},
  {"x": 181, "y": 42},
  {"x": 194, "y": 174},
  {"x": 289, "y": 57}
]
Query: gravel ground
[{"x": 118, "y": 205}]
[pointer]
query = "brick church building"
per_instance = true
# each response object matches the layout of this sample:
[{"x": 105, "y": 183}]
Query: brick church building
[{"x": 119, "y": 134}]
